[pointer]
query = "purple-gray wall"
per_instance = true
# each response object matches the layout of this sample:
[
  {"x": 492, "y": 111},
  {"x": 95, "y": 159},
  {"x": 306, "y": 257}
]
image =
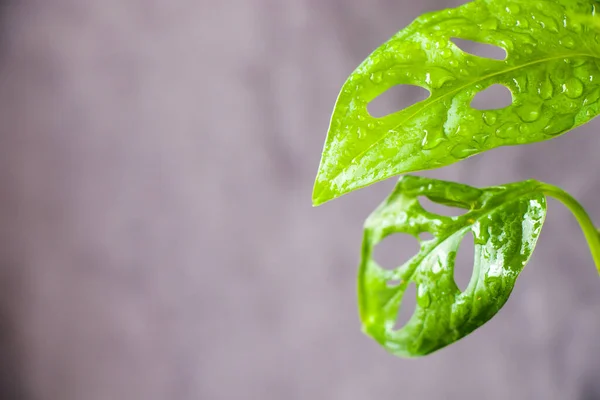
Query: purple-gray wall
[{"x": 157, "y": 236}]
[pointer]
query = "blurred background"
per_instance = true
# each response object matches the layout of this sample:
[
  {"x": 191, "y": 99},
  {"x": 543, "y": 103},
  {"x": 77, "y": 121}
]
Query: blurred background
[{"x": 157, "y": 234}]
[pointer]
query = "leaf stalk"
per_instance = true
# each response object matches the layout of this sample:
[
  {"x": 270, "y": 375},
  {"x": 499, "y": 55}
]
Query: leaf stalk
[{"x": 587, "y": 226}]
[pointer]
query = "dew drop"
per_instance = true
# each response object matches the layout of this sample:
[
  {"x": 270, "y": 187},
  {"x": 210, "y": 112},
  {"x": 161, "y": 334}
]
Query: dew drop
[
  {"x": 592, "y": 97},
  {"x": 423, "y": 298},
  {"x": 513, "y": 9},
  {"x": 573, "y": 88},
  {"x": 567, "y": 42},
  {"x": 441, "y": 43},
  {"x": 489, "y": 118},
  {"x": 456, "y": 31},
  {"x": 480, "y": 236},
  {"x": 463, "y": 151},
  {"x": 522, "y": 22},
  {"x": 529, "y": 112},
  {"x": 442, "y": 80},
  {"x": 432, "y": 140},
  {"x": 490, "y": 24},
  {"x": 371, "y": 125},
  {"x": 376, "y": 77},
  {"x": 525, "y": 129},
  {"x": 571, "y": 106},
  {"x": 360, "y": 117},
  {"x": 446, "y": 53},
  {"x": 360, "y": 133},
  {"x": 576, "y": 27},
  {"x": 559, "y": 125},
  {"x": 560, "y": 72},
  {"x": 545, "y": 89},
  {"x": 548, "y": 23},
  {"x": 481, "y": 140},
  {"x": 507, "y": 131}
]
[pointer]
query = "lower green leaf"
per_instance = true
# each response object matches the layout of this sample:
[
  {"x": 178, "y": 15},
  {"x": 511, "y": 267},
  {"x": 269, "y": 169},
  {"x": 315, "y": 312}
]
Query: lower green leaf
[{"x": 505, "y": 222}]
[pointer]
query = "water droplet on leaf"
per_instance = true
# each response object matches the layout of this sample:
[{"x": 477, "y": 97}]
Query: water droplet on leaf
[
  {"x": 432, "y": 140},
  {"x": 489, "y": 118},
  {"x": 441, "y": 43},
  {"x": 423, "y": 298},
  {"x": 592, "y": 97},
  {"x": 490, "y": 24},
  {"x": 522, "y": 22},
  {"x": 573, "y": 88},
  {"x": 513, "y": 9},
  {"x": 567, "y": 42},
  {"x": 575, "y": 27},
  {"x": 559, "y": 125},
  {"x": 446, "y": 53},
  {"x": 507, "y": 131},
  {"x": 525, "y": 129},
  {"x": 529, "y": 112},
  {"x": 376, "y": 77},
  {"x": 463, "y": 151}
]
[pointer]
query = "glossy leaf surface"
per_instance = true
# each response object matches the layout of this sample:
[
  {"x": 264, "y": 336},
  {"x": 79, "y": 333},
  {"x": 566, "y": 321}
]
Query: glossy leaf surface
[
  {"x": 505, "y": 221},
  {"x": 552, "y": 69}
]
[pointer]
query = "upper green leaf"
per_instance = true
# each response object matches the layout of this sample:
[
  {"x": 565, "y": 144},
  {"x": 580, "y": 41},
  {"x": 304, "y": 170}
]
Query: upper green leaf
[
  {"x": 505, "y": 221},
  {"x": 552, "y": 69}
]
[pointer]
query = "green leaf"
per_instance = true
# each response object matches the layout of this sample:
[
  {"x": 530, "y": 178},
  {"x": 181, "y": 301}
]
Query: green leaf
[
  {"x": 552, "y": 69},
  {"x": 505, "y": 221}
]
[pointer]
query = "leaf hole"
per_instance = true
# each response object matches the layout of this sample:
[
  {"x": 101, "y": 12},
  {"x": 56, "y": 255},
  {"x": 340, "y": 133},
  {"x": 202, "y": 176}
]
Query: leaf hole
[
  {"x": 395, "y": 250},
  {"x": 395, "y": 99},
  {"x": 407, "y": 306},
  {"x": 464, "y": 262},
  {"x": 441, "y": 209},
  {"x": 479, "y": 49},
  {"x": 493, "y": 98},
  {"x": 425, "y": 236}
]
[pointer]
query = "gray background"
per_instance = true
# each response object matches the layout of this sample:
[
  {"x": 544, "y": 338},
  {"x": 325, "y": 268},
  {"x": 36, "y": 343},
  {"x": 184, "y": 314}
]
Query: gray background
[{"x": 157, "y": 236}]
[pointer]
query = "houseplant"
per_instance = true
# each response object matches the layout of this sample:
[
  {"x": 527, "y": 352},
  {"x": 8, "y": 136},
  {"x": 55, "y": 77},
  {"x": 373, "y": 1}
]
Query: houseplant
[{"x": 552, "y": 69}]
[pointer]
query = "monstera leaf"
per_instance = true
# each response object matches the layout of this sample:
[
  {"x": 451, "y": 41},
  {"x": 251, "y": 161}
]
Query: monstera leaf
[
  {"x": 505, "y": 221},
  {"x": 551, "y": 69}
]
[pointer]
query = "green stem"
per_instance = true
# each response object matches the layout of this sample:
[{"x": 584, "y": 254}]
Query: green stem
[{"x": 587, "y": 226}]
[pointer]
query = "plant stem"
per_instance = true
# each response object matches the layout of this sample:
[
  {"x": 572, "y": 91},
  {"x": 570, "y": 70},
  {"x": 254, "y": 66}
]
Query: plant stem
[{"x": 587, "y": 226}]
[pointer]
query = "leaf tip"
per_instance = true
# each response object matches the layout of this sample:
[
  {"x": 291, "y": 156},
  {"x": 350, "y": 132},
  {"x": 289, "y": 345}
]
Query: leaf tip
[{"x": 319, "y": 195}]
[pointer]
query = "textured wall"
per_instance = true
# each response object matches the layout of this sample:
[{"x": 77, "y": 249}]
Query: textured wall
[{"x": 157, "y": 236}]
